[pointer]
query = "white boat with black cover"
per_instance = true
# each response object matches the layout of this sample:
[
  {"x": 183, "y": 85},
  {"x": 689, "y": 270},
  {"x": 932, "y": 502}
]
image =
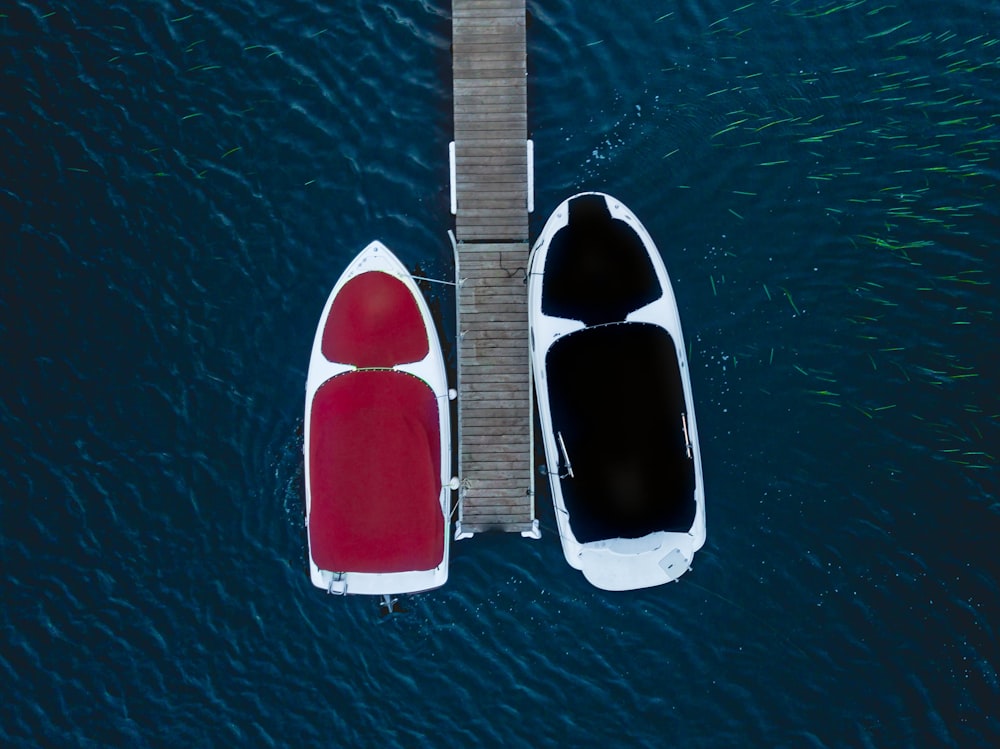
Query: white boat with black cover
[{"x": 614, "y": 397}]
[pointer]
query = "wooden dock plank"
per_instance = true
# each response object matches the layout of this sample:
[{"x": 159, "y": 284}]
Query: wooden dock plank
[
  {"x": 489, "y": 59},
  {"x": 491, "y": 199},
  {"x": 496, "y": 490}
]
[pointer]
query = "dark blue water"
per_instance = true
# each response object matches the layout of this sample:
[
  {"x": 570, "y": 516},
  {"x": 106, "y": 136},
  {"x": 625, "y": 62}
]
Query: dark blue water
[{"x": 180, "y": 186}]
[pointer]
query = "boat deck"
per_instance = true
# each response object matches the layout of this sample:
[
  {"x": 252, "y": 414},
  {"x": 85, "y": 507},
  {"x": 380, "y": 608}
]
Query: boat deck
[{"x": 491, "y": 199}]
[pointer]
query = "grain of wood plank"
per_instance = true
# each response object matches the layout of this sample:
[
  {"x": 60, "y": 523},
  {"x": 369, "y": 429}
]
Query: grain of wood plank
[
  {"x": 502, "y": 22},
  {"x": 478, "y": 176},
  {"x": 493, "y": 310},
  {"x": 507, "y": 482},
  {"x": 482, "y": 230},
  {"x": 499, "y": 146},
  {"x": 475, "y": 368},
  {"x": 473, "y": 165},
  {"x": 490, "y": 127},
  {"x": 496, "y": 296},
  {"x": 507, "y": 508},
  {"x": 503, "y": 498},
  {"x": 492, "y": 282},
  {"x": 480, "y": 16},
  {"x": 481, "y": 266},
  {"x": 502, "y": 8},
  {"x": 489, "y": 253},
  {"x": 490, "y": 307},
  {"x": 494, "y": 518},
  {"x": 500, "y": 505},
  {"x": 487, "y": 59},
  {"x": 482, "y": 210},
  {"x": 505, "y": 311},
  {"x": 487, "y": 317},
  {"x": 494, "y": 497},
  {"x": 483, "y": 493},
  {"x": 474, "y": 438},
  {"x": 485, "y": 5},
  {"x": 510, "y": 199}
]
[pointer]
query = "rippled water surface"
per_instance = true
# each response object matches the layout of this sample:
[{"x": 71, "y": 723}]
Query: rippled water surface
[{"x": 181, "y": 185}]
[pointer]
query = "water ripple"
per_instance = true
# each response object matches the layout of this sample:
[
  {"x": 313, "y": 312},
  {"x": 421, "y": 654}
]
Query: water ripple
[{"x": 182, "y": 186}]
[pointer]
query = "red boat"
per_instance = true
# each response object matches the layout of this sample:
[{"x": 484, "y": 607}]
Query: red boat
[{"x": 377, "y": 436}]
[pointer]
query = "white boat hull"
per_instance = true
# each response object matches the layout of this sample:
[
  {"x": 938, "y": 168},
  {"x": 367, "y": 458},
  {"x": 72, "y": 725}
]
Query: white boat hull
[{"x": 659, "y": 546}]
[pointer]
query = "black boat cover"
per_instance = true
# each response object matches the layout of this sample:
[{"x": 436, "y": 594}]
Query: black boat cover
[
  {"x": 617, "y": 397},
  {"x": 597, "y": 269}
]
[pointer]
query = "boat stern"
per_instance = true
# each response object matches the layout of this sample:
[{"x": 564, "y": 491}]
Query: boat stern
[{"x": 631, "y": 564}]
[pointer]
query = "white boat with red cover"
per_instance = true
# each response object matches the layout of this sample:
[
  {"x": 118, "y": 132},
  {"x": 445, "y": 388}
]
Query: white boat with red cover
[{"x": 377, "y": 436}]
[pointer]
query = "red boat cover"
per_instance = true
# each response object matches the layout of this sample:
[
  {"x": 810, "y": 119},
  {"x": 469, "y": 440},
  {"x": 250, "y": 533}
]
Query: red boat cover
[
  {"x": 374, "y": 322},
  {"x": 374, "y": 468}
]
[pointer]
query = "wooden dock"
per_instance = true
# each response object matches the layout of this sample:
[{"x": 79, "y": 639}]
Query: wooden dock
[{"x": 491, "y": 198}]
